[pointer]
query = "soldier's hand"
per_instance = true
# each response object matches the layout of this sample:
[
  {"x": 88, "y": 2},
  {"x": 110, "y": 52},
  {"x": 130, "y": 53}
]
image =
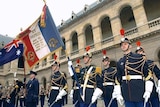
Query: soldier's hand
[
  {"x": 158, "y": 90},
  {"x": 120, "y": 99},
  {"x": 114, "y": 95},
  {"x": 71, "y": 94},
  {"x": 148, "y": 90},
  {"x": 58, "y": 98},
  {"x": 146, "y": 95},
  {"x": 69, "y": 63},
  {"x": 158, "y": 87},
  {"x": 97, "y": 93}
]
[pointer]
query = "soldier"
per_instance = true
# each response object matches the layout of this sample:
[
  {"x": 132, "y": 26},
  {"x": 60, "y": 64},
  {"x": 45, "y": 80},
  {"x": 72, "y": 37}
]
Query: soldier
[
  {"x": 42, "y": 96},
  {"x": 75, "y": 93},
  {"x": 22, "y": 97},
  {"x": 48, "y": 91},
  {"x": 154, "y": 100},
  {"x": 58, "y": 85},
  {"x": 32, "y": 89},
  {"x": 4, "y": 96},
  {"x": 91, "y": 82},
  {"x": 131, "y": 71},
  {"x": 12, "y": 94},
  {"x": 108, "y": 76}
]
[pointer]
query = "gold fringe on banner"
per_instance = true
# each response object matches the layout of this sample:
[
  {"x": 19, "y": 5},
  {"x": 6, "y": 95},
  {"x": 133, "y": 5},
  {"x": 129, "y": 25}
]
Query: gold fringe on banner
[{"x": 43, "y": 17}]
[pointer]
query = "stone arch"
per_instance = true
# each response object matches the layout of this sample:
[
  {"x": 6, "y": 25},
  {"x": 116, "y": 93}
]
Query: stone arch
[
  {"x": 74, "y": 39},
  {"x": 88, "y": 32},
  {"x": 127, "y": 17},
  {"x": 157, "y": 55},
  {"x": 63, "y": 51},
  {"x": 106, "y": 30},
  {"x": 152, "y": 9}
]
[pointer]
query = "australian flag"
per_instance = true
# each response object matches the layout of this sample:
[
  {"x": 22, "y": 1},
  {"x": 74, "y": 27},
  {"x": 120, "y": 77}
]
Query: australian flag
[{"x": 11, "y": 51}]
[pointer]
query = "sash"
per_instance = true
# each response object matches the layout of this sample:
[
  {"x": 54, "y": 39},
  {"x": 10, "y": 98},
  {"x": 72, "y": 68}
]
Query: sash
[{"x": 85, "y": 82}]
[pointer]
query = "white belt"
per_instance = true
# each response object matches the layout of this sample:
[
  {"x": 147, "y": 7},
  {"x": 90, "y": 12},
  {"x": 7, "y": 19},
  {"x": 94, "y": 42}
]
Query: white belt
[
  {"x": 88, "y": 86},
  {"x": 129, "y": 77},
  {"x": 75, "y": 87},
  {"x": 108, "y": 83},
  {"x": 55, "y": 88}
]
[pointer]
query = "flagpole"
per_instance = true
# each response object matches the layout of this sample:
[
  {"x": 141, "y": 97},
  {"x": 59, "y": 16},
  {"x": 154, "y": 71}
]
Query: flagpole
[
  {"x": 74, "y": 74},
  {"x": 24, "y": 73}
]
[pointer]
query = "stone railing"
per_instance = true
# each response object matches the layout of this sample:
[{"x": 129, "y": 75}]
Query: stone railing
[{"x": 154, "y": 23}]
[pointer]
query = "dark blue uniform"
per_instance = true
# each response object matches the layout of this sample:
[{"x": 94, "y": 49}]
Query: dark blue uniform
[
  {"x": 154, "y": 100},
  {"x": 58, "y": 82},
  {"x": 108, "y": 76},
  {"x": 42, "y": 97},
  {"x": 131, "y": 71},
  {"x": 94, "y": 81},
  {"x": 76, "y": 92},
  {"x": 32, "y": 93},
  {"x": 13, "y": 100},
  {"x": 22, "y": 97}
]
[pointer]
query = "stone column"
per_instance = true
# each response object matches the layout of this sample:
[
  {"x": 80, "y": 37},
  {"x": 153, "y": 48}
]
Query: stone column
[
  {"x": 116, "y": 26},
  {"x": 81, "y": 40},
  {"x": 97, "y": 37},
  {"x": 140, "y": 17}
]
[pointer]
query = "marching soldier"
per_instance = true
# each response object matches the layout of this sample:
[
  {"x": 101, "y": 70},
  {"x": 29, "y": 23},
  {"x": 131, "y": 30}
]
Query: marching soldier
[
  {"x": 154, "y": 100},
  {"x": 91, "y": 82},
  {"x": 58, "y": 85},
  {"x": 32, "y": 89},
  {"x": 75, "y": 93},
  {"x": 108, "y": 76},
  {"x": 131, "y": 71},
  {"x": 42, "y": 96}
]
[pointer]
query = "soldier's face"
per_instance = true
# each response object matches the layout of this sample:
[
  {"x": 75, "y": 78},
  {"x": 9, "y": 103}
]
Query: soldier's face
[
  {"x": 106, "y": 63},
  {"x": 54, "y": 67},
  {"x": 86, "y": 59},
  {"x": 124, "y": 46},
  {"x": 32, "y": 76},
  {"x": 140, "y": 52}
]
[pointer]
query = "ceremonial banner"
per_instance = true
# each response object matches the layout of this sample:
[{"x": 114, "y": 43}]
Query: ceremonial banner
[
  {"x": 41, "y": 38},
  {"x": 11, "y": 51}
]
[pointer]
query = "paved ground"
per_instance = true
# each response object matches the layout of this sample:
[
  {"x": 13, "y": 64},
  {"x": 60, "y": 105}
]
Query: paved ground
[{"x": 100, "y": 104}]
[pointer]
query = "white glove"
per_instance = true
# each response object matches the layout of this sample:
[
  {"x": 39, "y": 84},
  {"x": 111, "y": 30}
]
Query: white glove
[
  {"x": 158, "y": 87},
  {"x": 71, "y": 94},
  {"x": 114, "y": 95},
  {"x": 60, "y": 95},
  {"x": 70, "y": 71},
  {"x": 69, "y": 63},
  {"x": 148, "y": 90},
  {"x": 117, "y": 94},
  {"x": 97, "y": 93}
]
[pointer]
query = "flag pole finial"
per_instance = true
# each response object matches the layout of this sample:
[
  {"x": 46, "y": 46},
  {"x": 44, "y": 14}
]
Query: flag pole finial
[{"x": 44, "y": 1}]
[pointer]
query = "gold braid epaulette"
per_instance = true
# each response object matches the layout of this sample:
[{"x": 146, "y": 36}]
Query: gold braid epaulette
[
  {"x": 116, "y": 81},
  {"x": 109, "y": 73},
  {"x": 98, "y": 70},
  {"x": 150, "y": 75},
  {"x": 56, "y": 79}
]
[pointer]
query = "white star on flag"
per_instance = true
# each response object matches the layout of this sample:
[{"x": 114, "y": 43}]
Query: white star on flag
[{"x": 18, "y": 52}]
